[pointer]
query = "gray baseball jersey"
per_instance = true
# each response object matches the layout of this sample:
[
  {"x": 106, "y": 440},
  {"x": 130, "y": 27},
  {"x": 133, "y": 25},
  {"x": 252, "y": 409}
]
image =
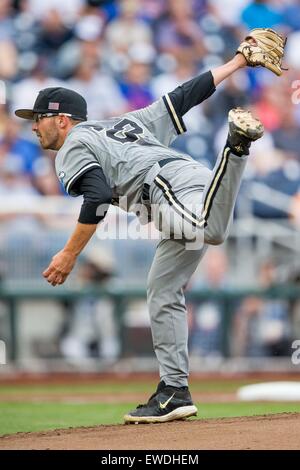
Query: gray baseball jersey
[{"x": 125, "y": 148}]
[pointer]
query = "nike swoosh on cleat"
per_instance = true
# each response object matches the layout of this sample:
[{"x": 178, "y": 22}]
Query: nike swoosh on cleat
[{"x": 163, "y": 405}]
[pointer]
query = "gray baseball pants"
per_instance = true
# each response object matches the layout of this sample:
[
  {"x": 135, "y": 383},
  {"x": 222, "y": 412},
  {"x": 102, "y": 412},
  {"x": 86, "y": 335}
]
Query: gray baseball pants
[{"x": 185, "y": 195}]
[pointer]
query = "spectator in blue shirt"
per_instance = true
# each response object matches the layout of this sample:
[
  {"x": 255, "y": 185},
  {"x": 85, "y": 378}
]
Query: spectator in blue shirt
[
  {"x": 261, "y": 15},
  {"x": 13, "y": 145}
]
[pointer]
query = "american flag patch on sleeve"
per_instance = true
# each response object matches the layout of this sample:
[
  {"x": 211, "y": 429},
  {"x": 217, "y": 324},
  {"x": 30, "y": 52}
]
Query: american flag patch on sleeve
[{"x": 53, "y": 106}]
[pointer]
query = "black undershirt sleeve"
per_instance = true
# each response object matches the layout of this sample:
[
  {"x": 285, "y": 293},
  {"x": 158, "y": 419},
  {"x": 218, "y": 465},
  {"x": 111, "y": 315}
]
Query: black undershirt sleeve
[
  {"x": 96, "y": 193},
  {"x": 192, "y": 93}
]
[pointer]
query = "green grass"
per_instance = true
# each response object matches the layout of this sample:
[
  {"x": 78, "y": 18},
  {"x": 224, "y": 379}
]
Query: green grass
[{"x": 25, "y": 417}]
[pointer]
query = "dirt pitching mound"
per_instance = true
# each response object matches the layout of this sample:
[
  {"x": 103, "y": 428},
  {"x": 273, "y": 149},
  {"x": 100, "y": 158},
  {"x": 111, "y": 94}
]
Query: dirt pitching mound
[{"x": 279, "y": 431}]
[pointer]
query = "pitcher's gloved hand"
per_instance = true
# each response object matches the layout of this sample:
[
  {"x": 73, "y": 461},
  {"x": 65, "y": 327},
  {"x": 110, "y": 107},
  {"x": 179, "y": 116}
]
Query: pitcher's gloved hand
[{"x": 264, "y": 47}]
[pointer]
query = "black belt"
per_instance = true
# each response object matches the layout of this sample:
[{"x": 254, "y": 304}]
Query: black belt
[
  {"x": 146, "y": 186},
  {"x": 165, "y": 161}
]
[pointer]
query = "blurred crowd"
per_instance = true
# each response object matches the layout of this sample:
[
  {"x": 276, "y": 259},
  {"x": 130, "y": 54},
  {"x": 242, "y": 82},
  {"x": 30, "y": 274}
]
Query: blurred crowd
[{"x": 122, "y": 55}]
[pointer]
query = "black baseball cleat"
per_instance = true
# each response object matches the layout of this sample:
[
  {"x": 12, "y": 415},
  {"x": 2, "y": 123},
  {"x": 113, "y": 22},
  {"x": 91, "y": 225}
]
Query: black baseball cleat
[
  {"x": 166, "y": 404},
  {"x": 243, "y": 129}
]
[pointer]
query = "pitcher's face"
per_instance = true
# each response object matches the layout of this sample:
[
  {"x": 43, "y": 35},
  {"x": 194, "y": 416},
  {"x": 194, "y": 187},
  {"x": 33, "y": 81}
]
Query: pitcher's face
[{"x": 47, "y": 130}]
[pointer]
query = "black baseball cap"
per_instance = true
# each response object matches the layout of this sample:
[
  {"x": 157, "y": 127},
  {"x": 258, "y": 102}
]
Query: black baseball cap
[{"x": 57, "y": 100}]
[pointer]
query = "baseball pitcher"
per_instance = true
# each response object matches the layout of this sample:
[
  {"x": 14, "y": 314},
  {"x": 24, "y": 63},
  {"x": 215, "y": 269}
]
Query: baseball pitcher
[{"x": 127, "y": 161}]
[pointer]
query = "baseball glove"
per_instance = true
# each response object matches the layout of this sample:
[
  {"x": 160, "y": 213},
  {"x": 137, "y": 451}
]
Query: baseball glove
[{"x": 265, "y": 47}]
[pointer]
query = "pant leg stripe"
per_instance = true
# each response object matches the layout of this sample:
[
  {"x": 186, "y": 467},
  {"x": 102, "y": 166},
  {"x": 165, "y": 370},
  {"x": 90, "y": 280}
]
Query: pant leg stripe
[
  {"x": 165, "y": 186},
  {"x": 215, "y": 183},
  {"x": 186, "y": 209},
  {"x": 177, "y": 205}
]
